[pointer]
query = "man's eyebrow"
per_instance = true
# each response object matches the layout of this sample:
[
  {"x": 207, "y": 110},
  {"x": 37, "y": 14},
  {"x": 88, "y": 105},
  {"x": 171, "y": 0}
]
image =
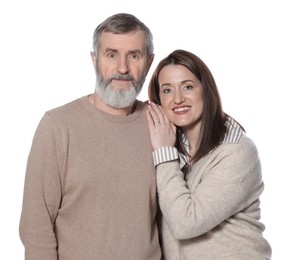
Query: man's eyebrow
[
  {"x": 130, "y": 51},
  {"x": 110, "y": 49},
  {"x": 136, "y": 51}
]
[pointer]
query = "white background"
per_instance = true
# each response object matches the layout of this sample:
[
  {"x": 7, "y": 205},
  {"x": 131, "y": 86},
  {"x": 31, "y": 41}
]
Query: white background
[{"x": 45, "y": 62}]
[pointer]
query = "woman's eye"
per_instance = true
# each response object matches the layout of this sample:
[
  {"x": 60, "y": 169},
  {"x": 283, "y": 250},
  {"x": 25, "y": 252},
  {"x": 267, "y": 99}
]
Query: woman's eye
[
  {"x": 188, "y": 87},
  {"x": 167, "y": 90}
]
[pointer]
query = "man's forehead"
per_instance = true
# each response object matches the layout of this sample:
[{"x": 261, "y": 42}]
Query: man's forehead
[{"x": 132, "y": 41}]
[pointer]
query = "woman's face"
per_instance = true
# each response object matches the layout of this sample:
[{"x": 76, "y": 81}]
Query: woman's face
[{"x": 181, "y": 96}]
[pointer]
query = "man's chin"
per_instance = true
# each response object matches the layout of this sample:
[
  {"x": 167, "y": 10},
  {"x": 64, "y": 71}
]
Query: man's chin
[
  {"x": 121, "y": 85},
  {"x": 120, "y": 99},
  {"x": 121, "y": 105}
]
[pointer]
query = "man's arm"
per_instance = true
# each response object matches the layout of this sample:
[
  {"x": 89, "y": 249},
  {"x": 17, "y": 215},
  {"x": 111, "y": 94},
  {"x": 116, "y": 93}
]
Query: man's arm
[{"x": 42, "y": 195}]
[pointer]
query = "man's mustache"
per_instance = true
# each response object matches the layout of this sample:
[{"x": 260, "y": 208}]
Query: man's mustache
[{"x": 126, "y": 76}]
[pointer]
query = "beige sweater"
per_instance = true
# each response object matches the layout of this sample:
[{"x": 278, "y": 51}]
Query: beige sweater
[
  {"x": 90, "y": 191},
  {"x": 214, "y": 213}
]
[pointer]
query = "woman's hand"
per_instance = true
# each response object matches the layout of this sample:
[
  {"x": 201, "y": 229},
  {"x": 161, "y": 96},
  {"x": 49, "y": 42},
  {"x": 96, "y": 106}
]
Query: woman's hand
[{"x": 162, "y": 131}]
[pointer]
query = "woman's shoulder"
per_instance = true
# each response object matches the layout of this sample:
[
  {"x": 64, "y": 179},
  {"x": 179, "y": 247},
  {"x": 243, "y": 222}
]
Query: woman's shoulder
[
  {"x": 244, "y": 147},
  {"x": 236, "y": 137}
]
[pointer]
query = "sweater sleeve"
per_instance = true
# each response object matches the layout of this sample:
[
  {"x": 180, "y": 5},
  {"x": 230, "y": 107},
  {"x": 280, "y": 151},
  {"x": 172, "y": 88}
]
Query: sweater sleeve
[
  {"x": 231, "y": 181},
  {"x": 42, "y": 195}
]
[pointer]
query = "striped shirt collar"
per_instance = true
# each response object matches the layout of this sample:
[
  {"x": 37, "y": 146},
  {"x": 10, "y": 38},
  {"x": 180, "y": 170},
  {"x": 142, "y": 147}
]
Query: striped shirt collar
[
  {"x": 234, "y": 131},
  {"x": 233, "y": 134}
]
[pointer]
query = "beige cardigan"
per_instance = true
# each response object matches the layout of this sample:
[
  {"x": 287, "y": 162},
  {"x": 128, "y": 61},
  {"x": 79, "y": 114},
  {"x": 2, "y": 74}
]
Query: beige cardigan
[{"x": 214, "y": 213}]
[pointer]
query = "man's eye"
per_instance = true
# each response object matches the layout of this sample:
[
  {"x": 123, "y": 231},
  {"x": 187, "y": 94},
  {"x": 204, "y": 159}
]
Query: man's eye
[
  {"x": 134, "y": 56},
  {"x": 111, "y": 55}
]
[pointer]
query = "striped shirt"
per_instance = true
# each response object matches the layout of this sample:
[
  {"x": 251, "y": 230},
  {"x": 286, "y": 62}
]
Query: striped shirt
[{"x": 170, "y": 153}]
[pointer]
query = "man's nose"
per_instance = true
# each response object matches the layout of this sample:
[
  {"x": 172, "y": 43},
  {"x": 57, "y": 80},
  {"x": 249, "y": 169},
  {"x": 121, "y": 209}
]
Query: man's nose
[{"x": 123, "y": 65}]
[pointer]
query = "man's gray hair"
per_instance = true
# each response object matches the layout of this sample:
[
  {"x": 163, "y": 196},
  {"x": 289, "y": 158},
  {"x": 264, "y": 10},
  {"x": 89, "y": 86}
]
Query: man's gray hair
[{"x": 123, "y": 23}]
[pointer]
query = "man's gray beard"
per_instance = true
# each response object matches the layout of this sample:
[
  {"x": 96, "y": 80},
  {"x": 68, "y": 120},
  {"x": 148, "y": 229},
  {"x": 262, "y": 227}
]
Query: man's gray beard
[{"x": 118, "y": 98}]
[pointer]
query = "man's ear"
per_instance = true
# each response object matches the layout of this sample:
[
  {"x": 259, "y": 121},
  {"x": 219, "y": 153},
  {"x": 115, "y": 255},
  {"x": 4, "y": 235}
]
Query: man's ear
[{"x": 93, "y": 57}]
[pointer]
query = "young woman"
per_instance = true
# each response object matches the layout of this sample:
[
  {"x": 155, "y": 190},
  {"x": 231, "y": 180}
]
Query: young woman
[{"x": 208, "y": 171}]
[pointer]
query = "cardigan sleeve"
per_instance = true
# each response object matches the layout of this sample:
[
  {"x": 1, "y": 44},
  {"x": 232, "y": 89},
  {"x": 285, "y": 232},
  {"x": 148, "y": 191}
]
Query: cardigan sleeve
[
  {"x": 231, "y": 181},
  {"x": 42, "y": 195}
]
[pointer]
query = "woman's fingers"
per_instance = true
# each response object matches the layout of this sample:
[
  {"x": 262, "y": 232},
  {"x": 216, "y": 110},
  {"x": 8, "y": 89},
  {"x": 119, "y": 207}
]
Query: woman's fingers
[
  {"x": 156, "y": 113},
  {"x": 162, "y": 131},
  {"x": 167, "y": 121}
]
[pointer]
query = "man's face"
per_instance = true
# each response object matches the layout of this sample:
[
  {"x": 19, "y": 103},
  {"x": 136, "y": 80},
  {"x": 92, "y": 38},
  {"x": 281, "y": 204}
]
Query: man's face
[{"x": 121, "y": 67}]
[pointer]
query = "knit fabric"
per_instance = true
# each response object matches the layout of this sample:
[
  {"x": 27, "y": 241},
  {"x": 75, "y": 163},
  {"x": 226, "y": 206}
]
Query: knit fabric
[
  {"x": 90, "y": 187},
  {"x": 213, "y": 212}
]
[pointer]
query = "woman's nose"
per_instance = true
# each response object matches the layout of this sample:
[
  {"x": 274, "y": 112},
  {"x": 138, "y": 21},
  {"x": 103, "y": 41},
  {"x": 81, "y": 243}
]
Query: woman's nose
[{"x": 179, "y": 97}]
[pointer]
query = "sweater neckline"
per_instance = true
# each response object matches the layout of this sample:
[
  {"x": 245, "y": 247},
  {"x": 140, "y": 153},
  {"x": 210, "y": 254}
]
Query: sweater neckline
[{"x": 113, "y": 118}]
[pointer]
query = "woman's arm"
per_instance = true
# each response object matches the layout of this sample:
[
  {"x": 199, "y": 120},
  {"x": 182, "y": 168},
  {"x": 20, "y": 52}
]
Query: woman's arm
[{"x": 231, "y": 181}]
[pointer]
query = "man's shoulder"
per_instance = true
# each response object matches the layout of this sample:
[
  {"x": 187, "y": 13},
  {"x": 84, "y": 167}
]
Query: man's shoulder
[
  {"x": 66, "y": 108},
  {"x": 72, "y": 111}
]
